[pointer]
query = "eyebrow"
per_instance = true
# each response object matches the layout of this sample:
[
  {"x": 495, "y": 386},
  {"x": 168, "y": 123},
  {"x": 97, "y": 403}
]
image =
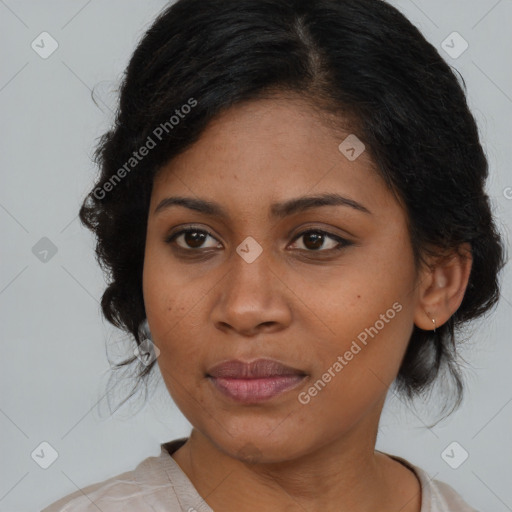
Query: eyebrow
[{"x": 278, "y": 210}]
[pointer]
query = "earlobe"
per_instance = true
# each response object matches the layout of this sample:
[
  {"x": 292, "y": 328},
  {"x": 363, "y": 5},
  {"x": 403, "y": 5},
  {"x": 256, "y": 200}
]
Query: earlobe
[{"x": 443, "y": 289}]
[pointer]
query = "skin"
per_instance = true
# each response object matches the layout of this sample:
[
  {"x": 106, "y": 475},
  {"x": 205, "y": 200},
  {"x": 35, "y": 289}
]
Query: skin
[{"x": 301, "y": 306}]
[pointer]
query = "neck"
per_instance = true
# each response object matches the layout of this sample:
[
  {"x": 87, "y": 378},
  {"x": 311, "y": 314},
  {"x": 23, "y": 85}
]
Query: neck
[{"x": 344, "y": 474}]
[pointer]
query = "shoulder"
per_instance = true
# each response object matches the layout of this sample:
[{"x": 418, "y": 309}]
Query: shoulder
[
  {"x": 100, "y": 495},
  {"x": 445, "y": 498},
  {"x": 437, "y": 496},
  {"x": 153, "y": 486}
]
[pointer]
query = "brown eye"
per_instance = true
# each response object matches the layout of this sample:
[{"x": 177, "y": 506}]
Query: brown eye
[
  {"x": 192, "y": 238},
  {"x": 314, "y": 240}
]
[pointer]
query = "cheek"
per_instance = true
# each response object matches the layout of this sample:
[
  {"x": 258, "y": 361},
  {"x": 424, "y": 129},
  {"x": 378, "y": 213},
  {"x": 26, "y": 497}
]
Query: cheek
[
  {"x": 164, "y": 290},
  {"x": 370, "y": 323},
  {"x": 173, "y": 308},
  {"x": 354, "y": 373}
]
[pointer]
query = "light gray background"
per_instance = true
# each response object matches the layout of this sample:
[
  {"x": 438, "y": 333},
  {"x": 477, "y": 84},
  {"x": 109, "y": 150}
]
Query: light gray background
[{"x": 54, "y": 369}]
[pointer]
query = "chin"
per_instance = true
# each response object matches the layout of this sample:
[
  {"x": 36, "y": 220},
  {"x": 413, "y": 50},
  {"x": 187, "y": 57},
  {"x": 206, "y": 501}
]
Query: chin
[{"x": 260, "y": 447}]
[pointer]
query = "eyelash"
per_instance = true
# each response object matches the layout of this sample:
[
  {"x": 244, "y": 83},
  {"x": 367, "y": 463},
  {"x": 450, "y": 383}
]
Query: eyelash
[{"x": 341, "y": 241}]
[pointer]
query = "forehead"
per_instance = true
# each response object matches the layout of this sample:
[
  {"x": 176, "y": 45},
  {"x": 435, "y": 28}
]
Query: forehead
[{"x": 260, "y": 152}]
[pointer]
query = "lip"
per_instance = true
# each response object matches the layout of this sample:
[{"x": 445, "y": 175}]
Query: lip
[
  {"x": 255, "y": 381},
  {"x": 258, "y": 369}
]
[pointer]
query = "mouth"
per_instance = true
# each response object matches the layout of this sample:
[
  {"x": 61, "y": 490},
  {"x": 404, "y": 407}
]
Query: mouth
[{"x": 254, "y": 382}]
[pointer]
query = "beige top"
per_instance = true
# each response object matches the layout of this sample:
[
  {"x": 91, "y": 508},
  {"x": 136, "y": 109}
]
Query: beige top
[{"x": 158, "y": 484}]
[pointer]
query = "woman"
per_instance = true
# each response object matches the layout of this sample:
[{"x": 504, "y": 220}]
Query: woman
[{"x": 292, "y": 210}]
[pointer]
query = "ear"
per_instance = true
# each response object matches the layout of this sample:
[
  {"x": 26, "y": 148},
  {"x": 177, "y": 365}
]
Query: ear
[{"x": 442, "y": 287}]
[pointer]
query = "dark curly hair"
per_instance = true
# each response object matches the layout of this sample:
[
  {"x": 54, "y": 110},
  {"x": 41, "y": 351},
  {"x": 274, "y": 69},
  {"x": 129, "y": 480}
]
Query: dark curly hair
[{"x": 357, "y": 60}]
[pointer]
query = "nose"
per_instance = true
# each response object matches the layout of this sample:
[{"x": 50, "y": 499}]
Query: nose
[{"x": 252, "y": 298}]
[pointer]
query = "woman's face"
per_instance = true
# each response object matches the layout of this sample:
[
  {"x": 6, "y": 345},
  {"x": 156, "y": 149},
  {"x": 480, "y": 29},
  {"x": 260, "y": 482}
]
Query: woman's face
[{"x": 249, "y": 284}]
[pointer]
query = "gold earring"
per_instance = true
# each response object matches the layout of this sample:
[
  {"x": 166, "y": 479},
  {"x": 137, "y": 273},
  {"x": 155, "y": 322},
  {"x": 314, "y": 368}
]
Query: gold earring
[{"x": 433, "y": 321}]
